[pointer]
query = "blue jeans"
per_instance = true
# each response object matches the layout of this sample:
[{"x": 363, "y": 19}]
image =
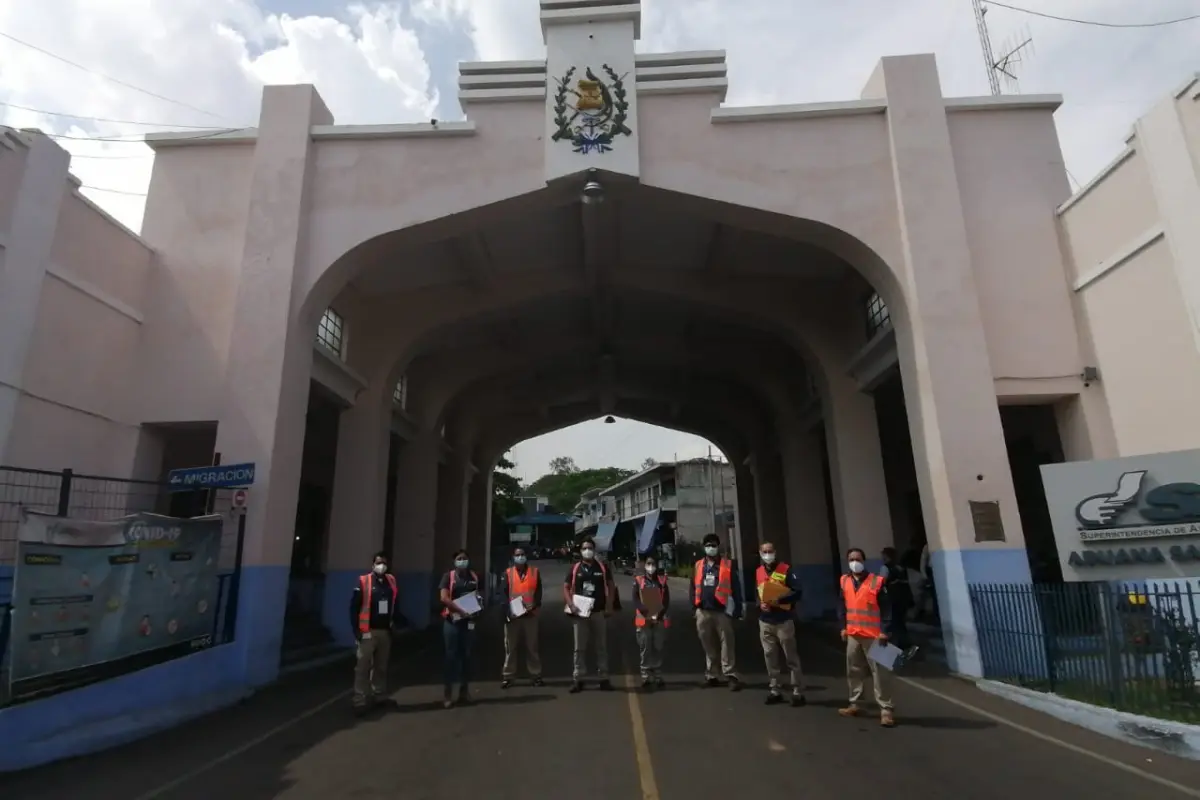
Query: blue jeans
[{"x": 458, "y": 639}]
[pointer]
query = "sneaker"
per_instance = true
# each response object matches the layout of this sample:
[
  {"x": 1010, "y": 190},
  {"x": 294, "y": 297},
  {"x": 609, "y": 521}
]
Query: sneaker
[
  {"x": 735, "y": 684},
  {"x": 774, "y": 697},
  {"x": 713, "y": 683},
  {"x": 887, "y": 719},
  {"x": 538, "y": 682},
  {"x": 504, "y": 684},
  {"x": 576, "y": 687},
  {"x": 606, "y": 685},
  {"x": 848, "y": 711},
  {"x": 447, "y": 698},
  {"x": 799, "y": 700},
  {"x": 911, "y": 653}
]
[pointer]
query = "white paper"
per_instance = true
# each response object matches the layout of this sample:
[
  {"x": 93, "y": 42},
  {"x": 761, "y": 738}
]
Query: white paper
[
  {"x": 584, "y": 605},
  {"x": 884, "y": 655},
  {"x": 516, "y": 607},
  {"x": 383, "y": 606},
  {"x": 469, "y": 603}
]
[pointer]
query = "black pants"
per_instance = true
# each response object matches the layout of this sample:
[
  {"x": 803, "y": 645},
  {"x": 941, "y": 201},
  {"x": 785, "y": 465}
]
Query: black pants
[{"x": 899, "y": 632}]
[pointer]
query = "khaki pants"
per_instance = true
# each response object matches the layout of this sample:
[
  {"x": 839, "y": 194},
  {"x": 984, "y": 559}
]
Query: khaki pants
[
  {"x": 715, "y": 629},
  {"x": 780, "y": 640},
  {"x": 857, "y": 666},
  {"x": 652, "y": 640},
  {"x": 370, "y": 672},
  {"x": 525, "y": 629},
  {"x": 590, "y": 629}
]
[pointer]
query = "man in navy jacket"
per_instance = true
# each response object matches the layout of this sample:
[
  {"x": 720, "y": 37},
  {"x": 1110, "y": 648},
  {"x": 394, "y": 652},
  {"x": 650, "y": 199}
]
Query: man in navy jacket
[{"x": 777, "y": 624}]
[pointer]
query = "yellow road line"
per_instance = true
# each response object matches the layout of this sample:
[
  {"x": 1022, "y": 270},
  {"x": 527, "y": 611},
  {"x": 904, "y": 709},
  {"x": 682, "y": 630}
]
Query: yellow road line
[{"x": 641, "y": 746}]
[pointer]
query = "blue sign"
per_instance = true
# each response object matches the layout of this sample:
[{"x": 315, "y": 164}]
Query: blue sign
[{"x": 218, "y": 477}]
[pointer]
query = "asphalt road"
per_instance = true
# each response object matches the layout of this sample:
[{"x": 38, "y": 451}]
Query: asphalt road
[{"x": 299, "y": 740}]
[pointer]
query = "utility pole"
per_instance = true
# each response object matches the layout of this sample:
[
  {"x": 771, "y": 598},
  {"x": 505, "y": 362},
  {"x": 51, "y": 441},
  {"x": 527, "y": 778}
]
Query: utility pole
[{"x": 712, "y": 498}]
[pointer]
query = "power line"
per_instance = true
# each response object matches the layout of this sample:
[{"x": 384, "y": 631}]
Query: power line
[
  {"x": 1094, "y": 23},
  {"x": 109, "y": 78},
  {"x": 120, "y": 138},
  {"x": 46, "y": 113}
]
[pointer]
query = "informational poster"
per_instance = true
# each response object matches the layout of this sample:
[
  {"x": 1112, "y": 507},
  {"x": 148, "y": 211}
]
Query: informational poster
[{"x": 92, "y": 600}]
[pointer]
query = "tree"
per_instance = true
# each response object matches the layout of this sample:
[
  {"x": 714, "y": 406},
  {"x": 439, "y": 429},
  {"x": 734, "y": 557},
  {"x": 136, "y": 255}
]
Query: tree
[
  {"x": 506, "y": 492},
  {"x": 649, "y": 463},
  {"x": 563, "y": 465},
  {"x": 562, "y": 489}
]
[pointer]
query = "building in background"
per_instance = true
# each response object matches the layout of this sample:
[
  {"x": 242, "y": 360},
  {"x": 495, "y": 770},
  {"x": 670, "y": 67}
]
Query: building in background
[{"x": 538, "y": 525}]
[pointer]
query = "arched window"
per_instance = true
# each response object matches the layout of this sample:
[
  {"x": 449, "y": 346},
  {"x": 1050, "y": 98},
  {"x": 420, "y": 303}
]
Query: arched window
[
  {"x": 331, "y": 332},
  {"x": 400, "y": 394}
]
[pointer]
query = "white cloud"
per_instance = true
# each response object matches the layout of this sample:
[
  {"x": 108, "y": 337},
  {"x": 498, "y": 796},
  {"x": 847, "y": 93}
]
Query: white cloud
[{"x": 212, "y": 56}]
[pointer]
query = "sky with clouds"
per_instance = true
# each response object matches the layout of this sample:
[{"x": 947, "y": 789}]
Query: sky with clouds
[{"x": 201, "y": 64}]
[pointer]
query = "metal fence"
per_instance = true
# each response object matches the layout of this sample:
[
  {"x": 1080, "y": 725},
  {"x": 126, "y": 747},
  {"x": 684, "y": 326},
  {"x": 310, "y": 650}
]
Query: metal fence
[
  {"x": 96, "y": 497},
  {"x": 1131, "y": 646}
]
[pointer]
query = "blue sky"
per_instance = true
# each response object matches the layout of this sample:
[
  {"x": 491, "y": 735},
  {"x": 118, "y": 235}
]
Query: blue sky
[{"x": 381, "y": 62}]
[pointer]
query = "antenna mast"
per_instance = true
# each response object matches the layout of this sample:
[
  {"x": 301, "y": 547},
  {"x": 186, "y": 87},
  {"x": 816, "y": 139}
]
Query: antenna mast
[
  {"x": 985, "y": 41},
  {"x": 1005, "y": 66}
]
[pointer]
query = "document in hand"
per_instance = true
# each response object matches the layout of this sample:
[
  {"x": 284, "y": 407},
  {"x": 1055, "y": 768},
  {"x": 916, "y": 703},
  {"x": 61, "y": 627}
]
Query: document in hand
[
  {"x": 584, "y": 604},
  {"x": 652, "y": 600},
  {"x": 469, "y": 603},
  {"x": 516, "y": 607},
  {"x": 884, "y": 655},
  {"x": 771, "y": 591}
]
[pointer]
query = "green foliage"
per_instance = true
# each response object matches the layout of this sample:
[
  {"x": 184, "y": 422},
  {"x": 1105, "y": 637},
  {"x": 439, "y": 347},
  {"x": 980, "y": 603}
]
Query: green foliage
[
  {"x": 566, "y": 482},
  {"x": 506, "y": 493}
]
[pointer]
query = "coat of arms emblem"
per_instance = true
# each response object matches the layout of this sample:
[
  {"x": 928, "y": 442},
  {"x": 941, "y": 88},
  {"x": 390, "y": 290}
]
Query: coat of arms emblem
[{"x": 590, "y": 113}]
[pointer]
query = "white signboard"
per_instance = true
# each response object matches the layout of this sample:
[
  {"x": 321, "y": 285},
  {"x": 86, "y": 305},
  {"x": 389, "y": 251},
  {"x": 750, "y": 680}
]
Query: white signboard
[{"x": 1127, "y": 518}]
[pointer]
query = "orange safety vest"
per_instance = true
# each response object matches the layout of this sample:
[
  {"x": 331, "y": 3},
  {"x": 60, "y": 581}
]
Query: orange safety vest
[
  {"x": 862, "y": 606},
  {"x": 525, "y": 589},
  {"x": 724, "y": 589},
  {"x": 778, "y": 575},
  {"x": 453, "y": 573},
  {"x": 367, "y": 585},
  {"x": 660, "y": 581}
]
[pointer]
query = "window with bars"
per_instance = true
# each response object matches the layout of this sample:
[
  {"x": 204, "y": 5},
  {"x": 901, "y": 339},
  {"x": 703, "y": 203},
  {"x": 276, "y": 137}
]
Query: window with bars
[
  {"x": 878, "y": 318},
  {"x": 400, "y": 394},
  {"x": 331, "y": 332}
]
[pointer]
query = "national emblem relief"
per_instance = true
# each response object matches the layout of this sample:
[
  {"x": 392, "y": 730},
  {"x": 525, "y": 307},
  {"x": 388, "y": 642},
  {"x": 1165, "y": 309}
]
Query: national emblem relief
[{"x": 591, "y": 112}]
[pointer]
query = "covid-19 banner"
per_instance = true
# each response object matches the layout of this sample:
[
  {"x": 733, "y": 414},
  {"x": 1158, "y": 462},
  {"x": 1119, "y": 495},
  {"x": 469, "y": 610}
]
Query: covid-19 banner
[{"x": 92, "y": 600}]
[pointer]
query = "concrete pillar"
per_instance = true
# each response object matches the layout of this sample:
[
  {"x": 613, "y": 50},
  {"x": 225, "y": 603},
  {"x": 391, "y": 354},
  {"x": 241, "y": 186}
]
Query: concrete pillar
[
  {"x": 416, "y": 514},
  {"x": 770, "y": 503},
  {"x": 26, "y": 242},
  {"x": 958, "y": 443},
  {"x": 359, "y": 498},
  {"x": 479, "y": 520},
  {"x": 454, "y": 479},
  {"x": 808, "y": 521},
  {"x": 269, "y": 362},
  {"x": 747, "y": 522},
  {"x": 860, "y": 496}
]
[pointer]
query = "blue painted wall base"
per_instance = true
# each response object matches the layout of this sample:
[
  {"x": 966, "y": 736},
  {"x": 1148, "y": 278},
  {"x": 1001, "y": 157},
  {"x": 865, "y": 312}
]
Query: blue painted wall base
[
  {"x": 262, "y": 602},
  {"x": 953, "y": 572},
  {"x": 417, "y": 597},
  {"x": 6, "y": 578},
  {"x": 120, "y": 710},
  {"x": 819, "y": 584}
]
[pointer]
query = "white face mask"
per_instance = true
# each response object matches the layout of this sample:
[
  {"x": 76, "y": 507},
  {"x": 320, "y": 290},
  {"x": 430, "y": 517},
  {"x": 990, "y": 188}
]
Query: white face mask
[
  {"x": 519, "y": 560},
  {"x": 462, "y": 563},
  {"x": 711, "y": 552},
  {"x": 587, "y": 553},
  {"x": 380, "y": 569},
  {"x": 651, "y": 569},
  {"x": 857, "y": 566},
  {"x": 767, "y": 558}
]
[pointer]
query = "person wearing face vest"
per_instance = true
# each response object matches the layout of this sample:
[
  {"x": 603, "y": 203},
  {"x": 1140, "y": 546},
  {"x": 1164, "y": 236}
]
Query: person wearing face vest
[
  {"x": 777, "y": 625},
  {"x": 651, "y": 628},
  {"x": 864, "y": 612},
  {"x": 589, "y": 578},
  {"x": 525, "y": 582},
  {"x": 373, "y": 610},
  {"x": 458, "y": 628},
  {"x": 717, "y": 599}
]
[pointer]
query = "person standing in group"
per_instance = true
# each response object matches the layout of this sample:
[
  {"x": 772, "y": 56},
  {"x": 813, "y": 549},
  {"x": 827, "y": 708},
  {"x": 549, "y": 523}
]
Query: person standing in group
[
  {"x": 458, "y": 627},
  {"x": 373, "y": 610},
  {"x": 651, "y": 623},
  {"x": 525, "y": 582},
  {"x": 589, "y": 577},
  {"x": 777, "y": 623},
  {"x": 717, "y": 599},
  {"x": 865, "y": 616},
  {"x": 900, "y": 600}
]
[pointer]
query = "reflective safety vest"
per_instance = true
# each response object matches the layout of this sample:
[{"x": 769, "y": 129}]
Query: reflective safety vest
[
  {"x": 453, "y": 574},
  {"x": 660, "y": 581},
  {"x": 366, "y": 585},
  {"x": 525, "y": 589},
  {"x": 862, "y": 606},
  {"x": 778, "y": 575},
  {"x": 724, "y": 587}
]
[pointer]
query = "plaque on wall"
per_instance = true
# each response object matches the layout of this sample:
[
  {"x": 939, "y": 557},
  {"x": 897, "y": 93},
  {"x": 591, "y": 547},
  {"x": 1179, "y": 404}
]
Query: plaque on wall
[{"x": 985, "y": 516}]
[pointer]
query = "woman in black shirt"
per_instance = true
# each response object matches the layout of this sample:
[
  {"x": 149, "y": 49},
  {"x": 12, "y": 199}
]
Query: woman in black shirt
[{"x": 458, "y": 626}]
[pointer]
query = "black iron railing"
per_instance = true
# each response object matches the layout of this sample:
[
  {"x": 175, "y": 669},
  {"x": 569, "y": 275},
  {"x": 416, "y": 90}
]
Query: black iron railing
[{"x": 1131, "y": 646}]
